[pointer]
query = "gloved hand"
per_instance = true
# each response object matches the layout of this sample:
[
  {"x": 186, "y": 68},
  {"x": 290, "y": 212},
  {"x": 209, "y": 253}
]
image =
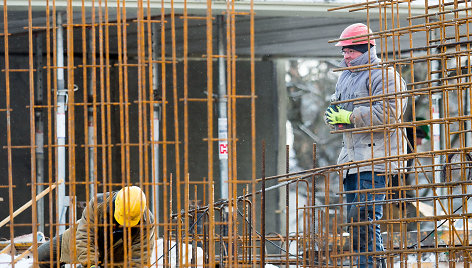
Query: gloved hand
[{"x": 336, "y": 115}]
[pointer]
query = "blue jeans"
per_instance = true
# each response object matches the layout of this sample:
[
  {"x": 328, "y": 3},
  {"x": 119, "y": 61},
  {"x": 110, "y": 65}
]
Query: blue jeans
[{"x": 363, "y": 235}]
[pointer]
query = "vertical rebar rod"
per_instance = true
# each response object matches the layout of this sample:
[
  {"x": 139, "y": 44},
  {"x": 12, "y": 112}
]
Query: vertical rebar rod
[
  {"x": 209, "y": 64},
  {"x": 186, "y": 133},
  {"x": 92, "y": 94},
  {"x": 90, "y": 114},
  {"x": 71, "y": 88},
  {"x": 126, "y": 95},
  {"x": 143, "y": 123},
  {"x": 175, "y": 94},
  {"x": 253, "y": 107},
  {"x": 287, "y": 208},
  {"x": 121, "y": 98},
  {"x": 103, "y": 70},
  {"x": 263, "y": 208},
  {"x": 107, "y": 120},
  {"x": 8, "y": 119},
  {"x": 186, "y": 220},
  {"x": 164, "y": 126},
  {"x": 87, "y": 57},
  {"x": 50, "y": 98},
  {"x": 185, "y": 87},
  {"x": 107, "y": 117},
  {"x": 32, "y": 129},
  {"x": 87, "y": 110},
  {"x": 313, "y": 218},
  {"x": 180, "y": 247}
]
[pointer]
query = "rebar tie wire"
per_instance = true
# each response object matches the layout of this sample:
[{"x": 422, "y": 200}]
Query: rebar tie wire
[
  {"x": 191, "y": 227},
  {"x": 222, "y": 202},
  {"x": 277, "y": 246},
  {"x": 250, "y": 225}
]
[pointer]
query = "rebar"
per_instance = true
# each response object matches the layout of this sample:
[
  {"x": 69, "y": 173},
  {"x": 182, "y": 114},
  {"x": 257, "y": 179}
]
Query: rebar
[{"x": 140, "y": 118}]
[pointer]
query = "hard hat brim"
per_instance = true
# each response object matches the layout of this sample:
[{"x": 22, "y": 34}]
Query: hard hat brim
[{"x": 350, "y": 42}]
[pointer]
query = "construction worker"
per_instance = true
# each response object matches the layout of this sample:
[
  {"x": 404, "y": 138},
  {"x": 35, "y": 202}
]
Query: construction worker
[
  {"x": 358, "y": 85},
  {"x": 115, "y": 230}
]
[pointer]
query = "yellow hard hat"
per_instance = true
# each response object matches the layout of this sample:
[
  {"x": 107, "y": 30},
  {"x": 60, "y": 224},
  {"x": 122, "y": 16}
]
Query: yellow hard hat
[{"x": 130, "y": 203}]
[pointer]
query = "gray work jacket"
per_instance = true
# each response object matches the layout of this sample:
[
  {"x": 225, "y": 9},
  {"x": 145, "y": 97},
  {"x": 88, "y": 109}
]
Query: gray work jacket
[{"x": 358, "y": 85}]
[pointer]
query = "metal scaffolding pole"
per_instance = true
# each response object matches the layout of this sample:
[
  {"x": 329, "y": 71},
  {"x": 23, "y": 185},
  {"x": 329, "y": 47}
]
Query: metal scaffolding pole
[
  {"x": 39, "y": 136},
  {"x": 61, "y": 126},
  {"x": 91, "y": 122},
  {"x": 222, "y": 111},
  {"x": 155, "y": 122}
]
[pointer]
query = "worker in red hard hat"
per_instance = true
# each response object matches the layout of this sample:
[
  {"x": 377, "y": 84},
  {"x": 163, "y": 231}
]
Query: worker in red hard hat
[
  {"x": 354, "y": 108},
  {"x": 353, "y": 48},
  {"x": 116, "y": 230}
]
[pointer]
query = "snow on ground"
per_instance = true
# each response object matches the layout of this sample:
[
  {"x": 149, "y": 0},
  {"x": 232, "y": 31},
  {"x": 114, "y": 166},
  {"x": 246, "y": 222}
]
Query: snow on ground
[
  {"x": 26, "y": 262},
  {"x": 5, "y": 260},
  {"x": 157, "y": 253}
]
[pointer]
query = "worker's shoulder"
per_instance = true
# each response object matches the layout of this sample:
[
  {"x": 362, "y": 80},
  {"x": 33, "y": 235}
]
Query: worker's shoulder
[{"x": 102, "y": 198}]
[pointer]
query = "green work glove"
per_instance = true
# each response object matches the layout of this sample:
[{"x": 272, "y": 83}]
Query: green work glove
[{"x": 337, "y": 115}]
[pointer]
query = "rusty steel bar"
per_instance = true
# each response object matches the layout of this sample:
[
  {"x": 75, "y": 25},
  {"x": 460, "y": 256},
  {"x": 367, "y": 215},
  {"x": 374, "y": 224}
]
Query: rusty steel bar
[
  {"x": 71, "y": 125},
  {"x": 175, "y": 96},
  {"x": 263, "y": 208},
  {"x": 209, "y": 65},
  {"x": 253, "y": 117},
  {"x": 32, "y": 129},
  {"x": 185, "y": 88},
  {"x": 166, "y": 213},
  {"x": 313, "y": 245},
  {"x": 232, "y": 190},
  {"x": 287, "y": 207}
]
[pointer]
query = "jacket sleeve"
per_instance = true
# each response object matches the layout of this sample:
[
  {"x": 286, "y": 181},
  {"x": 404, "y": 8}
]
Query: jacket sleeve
[
  {"x": 385, "y": 109},
  {"x": 85, "y": 236},
  {"x": 143, "y": 244}
]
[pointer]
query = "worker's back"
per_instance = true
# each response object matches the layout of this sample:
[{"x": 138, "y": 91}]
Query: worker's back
[{"x": 98, "y": 224}]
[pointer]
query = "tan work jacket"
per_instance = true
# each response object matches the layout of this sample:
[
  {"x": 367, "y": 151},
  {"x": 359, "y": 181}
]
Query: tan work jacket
[{"x": 95, "y": 235}]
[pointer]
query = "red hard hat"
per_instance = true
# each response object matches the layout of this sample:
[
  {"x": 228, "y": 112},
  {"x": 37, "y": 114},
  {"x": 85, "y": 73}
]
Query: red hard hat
[{"x": 355, "y": 30}]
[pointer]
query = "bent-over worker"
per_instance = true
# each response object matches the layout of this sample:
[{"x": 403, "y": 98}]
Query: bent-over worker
[{"x": 115, "y": 230}]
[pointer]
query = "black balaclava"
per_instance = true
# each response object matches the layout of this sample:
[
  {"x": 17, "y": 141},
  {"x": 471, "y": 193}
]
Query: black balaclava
[{"x": 361, "y": 48}]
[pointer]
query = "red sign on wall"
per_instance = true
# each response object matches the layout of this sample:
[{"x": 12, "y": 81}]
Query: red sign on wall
[{"x": 223, "y": 148}]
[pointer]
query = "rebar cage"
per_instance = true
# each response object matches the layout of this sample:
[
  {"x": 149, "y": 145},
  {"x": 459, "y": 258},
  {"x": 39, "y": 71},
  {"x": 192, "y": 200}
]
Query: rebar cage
[{"x": 110, "y": 104}]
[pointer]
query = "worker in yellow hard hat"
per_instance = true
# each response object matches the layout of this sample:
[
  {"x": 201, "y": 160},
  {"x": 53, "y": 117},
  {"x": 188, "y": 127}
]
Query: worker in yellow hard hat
[{"x": 116, "y": 230}]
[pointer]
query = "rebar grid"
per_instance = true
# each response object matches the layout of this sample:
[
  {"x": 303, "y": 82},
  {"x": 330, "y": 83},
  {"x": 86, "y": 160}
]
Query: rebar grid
[
  {"x": 109, "y": 150},
  {"x": 126, "y": 99},
  {"x": 425, "y": 212}
]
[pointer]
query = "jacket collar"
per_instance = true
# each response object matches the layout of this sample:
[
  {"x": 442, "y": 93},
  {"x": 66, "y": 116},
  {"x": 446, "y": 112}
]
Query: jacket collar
[{"x": 363, "y": 59}]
